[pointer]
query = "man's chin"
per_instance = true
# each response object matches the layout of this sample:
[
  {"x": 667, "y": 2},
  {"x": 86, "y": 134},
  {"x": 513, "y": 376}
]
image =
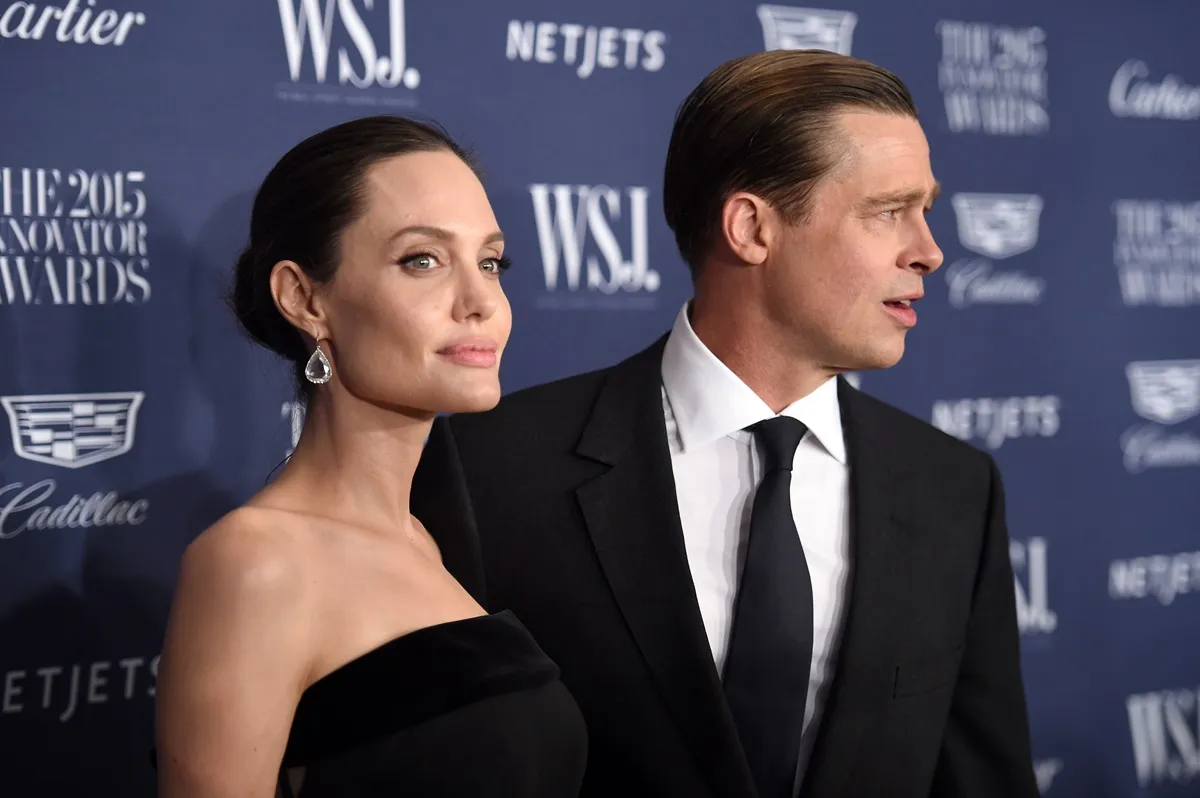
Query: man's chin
[{"x": 876, "y": 359}]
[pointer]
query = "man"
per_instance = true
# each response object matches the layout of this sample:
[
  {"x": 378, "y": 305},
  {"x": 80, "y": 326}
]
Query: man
[{"x": 821, "y": 604}]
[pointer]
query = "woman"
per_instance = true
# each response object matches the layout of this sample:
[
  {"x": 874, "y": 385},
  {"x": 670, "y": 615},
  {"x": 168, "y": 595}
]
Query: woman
[{"x": 316, "y": 644}]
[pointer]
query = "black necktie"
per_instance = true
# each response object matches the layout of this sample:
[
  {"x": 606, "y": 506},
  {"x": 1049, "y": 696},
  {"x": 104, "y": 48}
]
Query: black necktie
[{"x": 770, "y": 646}]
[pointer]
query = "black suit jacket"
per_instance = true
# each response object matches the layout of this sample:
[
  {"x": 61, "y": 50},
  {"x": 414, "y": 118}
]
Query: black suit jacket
[{"x": 560, "y": 505}]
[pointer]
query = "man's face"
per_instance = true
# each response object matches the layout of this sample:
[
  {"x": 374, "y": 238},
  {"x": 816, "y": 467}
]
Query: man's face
[{"x": 842, "y": 278}]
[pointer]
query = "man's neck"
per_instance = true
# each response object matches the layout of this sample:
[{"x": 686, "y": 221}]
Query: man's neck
[{"x": 747, "y": 347}]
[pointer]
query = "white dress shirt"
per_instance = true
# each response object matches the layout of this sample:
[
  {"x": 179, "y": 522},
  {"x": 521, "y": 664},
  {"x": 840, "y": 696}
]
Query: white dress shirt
[{"x": 717, "y": 468}]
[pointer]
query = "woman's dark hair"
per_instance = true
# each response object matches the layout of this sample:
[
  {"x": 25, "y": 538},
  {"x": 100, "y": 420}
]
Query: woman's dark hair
[{"x": 303, "y": 206}]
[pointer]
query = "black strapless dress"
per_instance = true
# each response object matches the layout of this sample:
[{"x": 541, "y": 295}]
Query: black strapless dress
[{"x": 471, "y": 708}]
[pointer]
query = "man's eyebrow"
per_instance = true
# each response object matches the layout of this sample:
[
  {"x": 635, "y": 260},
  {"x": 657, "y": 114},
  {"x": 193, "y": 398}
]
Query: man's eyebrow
[{"x": 902, "y": 198}]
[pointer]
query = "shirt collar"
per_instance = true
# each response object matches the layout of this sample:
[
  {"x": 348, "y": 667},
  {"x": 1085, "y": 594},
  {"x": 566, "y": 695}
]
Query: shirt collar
[{"x": 709, "y": 401}]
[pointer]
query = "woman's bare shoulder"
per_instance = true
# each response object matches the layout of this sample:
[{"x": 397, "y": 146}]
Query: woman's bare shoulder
[
  {"x": 248, "y": 578},
  {"x": 237, "y": 655},
  {"x": 255, "y": 549}
]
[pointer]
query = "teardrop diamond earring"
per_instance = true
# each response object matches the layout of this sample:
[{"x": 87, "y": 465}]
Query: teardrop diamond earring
[{"x": 317, "y": 370}]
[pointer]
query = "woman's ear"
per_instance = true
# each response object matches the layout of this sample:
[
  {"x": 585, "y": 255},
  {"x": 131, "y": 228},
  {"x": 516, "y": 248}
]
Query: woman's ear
[{"x": 296, "y": 299}]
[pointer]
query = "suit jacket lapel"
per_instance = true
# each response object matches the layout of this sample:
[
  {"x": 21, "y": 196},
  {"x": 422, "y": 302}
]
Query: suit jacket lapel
[
  {"x": 632, "y": 515},
  {"x": 862, "y": 683}
]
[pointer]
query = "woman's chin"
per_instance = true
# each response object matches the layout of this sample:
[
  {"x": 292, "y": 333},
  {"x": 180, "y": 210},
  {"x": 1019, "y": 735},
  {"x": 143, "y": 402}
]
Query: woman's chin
[{"x": 475, "y": 401}]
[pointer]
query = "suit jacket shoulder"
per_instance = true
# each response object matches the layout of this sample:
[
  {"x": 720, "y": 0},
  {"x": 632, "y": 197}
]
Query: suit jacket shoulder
[
  {"x": 535, "y": 413},
  {"x": 912, "y": 443},
  {"x": 552, "y": 417}
]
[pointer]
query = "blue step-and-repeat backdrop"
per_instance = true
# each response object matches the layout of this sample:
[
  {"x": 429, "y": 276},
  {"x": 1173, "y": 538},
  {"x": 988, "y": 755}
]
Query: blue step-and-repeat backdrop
[{"x": 1062, "y": 335}]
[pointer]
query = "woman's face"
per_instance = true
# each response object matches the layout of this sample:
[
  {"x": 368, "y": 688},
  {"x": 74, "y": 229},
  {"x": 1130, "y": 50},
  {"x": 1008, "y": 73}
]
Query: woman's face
[{"x": 415, "y": 315}]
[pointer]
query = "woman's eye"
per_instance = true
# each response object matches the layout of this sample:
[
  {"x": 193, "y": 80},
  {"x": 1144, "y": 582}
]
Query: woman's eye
[
  {"x": 497, "y": 265},
  {"x": 420, "y": 262}
]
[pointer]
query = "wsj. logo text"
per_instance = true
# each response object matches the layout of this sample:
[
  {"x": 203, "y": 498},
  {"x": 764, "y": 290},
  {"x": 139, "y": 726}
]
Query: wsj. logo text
[
  {"x": 582, "y": 256},
  {"x": 1031, "y": 576},
  {"x": 310, "y": 28},
  {"x": 1163, "y": 725}
]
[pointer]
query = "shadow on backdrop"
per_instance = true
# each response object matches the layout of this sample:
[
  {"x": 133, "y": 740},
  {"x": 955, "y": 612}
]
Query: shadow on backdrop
[{"x": 82, "y": 645}]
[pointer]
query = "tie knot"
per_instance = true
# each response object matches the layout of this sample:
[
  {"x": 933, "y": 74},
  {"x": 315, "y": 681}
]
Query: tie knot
[{"x": 779, "y": 437}]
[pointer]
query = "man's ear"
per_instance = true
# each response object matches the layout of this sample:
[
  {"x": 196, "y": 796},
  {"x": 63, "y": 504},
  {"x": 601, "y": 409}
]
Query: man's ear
[{"x": 747, "y": 225}]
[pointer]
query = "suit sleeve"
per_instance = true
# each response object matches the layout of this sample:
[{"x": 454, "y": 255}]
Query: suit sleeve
[
  {"x": 986, "y": 752},
  {"x": 441, "y": 500}
]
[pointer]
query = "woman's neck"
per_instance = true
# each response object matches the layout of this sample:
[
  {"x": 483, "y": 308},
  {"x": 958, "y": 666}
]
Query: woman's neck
[{"x": 354, "y": 462}]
